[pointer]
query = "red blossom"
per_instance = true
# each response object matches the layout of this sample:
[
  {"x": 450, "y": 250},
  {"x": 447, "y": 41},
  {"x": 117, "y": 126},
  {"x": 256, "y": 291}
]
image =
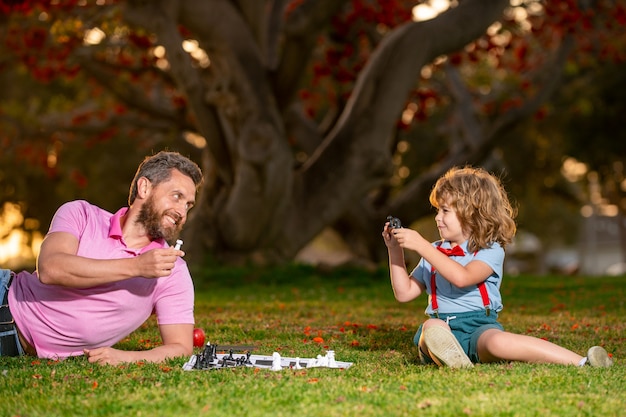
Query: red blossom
[
  {"x": 79, "y": 178},
  {"x": 141, "y": 41}
]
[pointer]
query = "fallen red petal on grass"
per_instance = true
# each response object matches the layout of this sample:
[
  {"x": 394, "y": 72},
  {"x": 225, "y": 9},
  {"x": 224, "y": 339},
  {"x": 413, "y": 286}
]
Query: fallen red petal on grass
[{"x": 558, "y": 307}]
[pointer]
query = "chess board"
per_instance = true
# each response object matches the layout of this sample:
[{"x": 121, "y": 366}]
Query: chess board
[{"x": 209, "y": 359}]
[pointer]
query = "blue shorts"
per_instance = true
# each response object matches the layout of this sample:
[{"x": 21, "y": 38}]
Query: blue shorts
[{"x": 467, "y": 328}]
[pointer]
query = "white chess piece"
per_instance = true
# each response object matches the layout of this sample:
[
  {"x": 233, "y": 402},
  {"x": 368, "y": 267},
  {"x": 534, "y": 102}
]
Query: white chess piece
[
  {"x": 330, "y": 354},
  {"x": 312, "y": 363},
  {"x": 322, "y": 360},
  {"x": 276, "y": 366},
  {"x": 179, "y": 243},
  {"x": 297, "y": 365}
]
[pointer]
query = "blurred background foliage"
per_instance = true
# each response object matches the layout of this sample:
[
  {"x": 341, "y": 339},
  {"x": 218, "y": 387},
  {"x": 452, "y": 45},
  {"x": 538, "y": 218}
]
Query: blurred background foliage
[{"x": 88, "y": 91}]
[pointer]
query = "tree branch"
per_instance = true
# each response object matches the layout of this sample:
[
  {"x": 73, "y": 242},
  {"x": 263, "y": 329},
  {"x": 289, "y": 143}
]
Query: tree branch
[
  {"x": 413, "y": 194},
  {"x": 162, "y": 18},
  {"x": 301, "y": 31},
  {"x": 126, "y": 92},
  {"x": 355, "y": 156},
  {"x": 252, "y": 212},
  {"x": 273, "y": 31}
]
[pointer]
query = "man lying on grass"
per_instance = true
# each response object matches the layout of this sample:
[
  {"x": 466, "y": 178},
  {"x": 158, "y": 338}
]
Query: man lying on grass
[
  {"x": 462, "y": 274},
  {"x": 100, "y": 275}
]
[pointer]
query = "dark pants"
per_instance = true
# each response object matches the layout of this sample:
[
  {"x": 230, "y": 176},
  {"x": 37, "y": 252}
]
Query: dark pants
[{"x": 9, "y": 339}]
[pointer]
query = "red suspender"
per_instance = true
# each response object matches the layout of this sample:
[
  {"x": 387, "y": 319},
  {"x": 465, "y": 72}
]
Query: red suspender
[
  {"x": 433, "y": 289},
  {"x": 485, "y": 296}
]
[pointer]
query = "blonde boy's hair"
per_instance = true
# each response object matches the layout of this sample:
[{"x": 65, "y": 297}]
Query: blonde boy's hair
[{"x": 480, "y": 203}]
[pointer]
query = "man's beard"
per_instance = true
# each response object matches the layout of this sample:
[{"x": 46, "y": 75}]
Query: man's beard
[{"x": 152, "y": 220}]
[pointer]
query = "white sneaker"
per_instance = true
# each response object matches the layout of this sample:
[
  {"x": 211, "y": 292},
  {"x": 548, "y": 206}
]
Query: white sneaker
[
  {"x": 598, "y": 357},
  {"x": 442, "y": 344}
]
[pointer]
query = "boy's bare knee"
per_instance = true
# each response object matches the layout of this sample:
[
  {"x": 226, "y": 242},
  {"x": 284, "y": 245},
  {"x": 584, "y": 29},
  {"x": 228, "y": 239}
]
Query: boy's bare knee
[
  {"x": 435, "y": 322},
  {"x": 491, "y": 344}
]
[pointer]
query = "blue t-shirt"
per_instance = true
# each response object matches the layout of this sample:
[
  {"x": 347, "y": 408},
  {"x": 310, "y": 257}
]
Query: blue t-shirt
[{"x": 452, "y": 299}]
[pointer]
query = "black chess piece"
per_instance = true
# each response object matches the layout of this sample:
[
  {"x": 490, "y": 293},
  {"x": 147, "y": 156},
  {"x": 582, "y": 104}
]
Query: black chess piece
[{"x": 394, "y": 222}]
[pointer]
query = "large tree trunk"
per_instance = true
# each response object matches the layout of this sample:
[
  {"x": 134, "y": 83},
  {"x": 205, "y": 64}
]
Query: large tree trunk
[{"x": 256, "y": 200}]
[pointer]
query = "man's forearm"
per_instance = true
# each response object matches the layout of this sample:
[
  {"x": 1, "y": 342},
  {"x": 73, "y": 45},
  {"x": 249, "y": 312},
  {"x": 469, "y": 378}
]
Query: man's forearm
[
  {"x": 79, "y": 272},
  {"x": 111, "y": 356}
]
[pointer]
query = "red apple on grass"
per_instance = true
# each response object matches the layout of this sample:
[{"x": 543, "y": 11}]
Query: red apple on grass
[{"x": 198, "y": 337}]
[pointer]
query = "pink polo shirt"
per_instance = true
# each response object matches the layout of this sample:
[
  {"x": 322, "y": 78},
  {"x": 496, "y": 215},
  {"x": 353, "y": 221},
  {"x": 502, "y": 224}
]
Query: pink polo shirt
[{"x": 60, "y": 321}]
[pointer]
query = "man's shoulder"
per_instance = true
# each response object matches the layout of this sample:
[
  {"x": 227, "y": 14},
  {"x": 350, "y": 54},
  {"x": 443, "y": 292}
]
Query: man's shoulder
[
  {"x": 83, "y": 206},
  {"x": 76, "y": 215}
]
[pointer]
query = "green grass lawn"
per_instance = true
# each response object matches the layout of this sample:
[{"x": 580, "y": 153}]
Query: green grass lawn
[{"x": 300, "y": 311}]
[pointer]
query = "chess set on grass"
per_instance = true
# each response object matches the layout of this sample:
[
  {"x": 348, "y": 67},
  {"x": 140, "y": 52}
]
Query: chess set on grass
[{"x": 210, "y": 359}]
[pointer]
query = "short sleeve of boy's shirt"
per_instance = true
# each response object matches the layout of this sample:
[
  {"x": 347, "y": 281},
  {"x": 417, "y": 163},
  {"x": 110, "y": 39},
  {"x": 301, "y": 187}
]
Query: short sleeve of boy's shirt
[
  {"x": 62, "y": 321},
  {"x": 452, "y": 299}
]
